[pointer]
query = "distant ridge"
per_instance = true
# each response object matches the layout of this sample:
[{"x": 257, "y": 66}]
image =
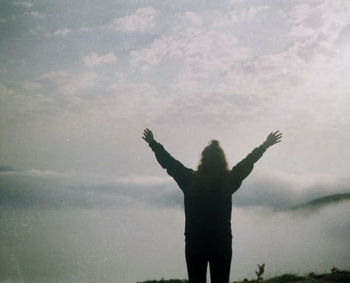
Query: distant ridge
[{"x": 323, "y": 201}]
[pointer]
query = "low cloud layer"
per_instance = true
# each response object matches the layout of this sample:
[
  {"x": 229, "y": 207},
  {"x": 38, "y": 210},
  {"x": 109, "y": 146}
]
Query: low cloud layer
[
  {"x": 49, "y": 189},
  {"x": 56, "y": 227}
]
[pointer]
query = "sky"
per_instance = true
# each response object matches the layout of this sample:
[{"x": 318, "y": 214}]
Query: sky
[{"x": 80, "y": 80}]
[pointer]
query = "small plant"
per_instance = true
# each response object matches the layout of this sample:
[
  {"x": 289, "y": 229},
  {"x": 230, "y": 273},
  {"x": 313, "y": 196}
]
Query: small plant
[{"x": 260, "y": 272}]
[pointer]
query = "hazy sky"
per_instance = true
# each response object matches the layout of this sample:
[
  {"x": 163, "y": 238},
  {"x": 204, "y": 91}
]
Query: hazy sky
[{"x": 79, "y": 80}]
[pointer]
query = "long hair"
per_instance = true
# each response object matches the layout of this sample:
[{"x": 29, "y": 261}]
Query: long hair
[{"x": 213, "y": 165}]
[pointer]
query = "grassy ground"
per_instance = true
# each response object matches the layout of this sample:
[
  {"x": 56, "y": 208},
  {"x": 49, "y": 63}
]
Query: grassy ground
[{"x": 335, "y": 276}]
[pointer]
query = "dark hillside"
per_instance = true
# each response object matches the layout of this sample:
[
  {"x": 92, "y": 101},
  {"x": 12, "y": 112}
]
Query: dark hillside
[{"x": 323, "y": 201}]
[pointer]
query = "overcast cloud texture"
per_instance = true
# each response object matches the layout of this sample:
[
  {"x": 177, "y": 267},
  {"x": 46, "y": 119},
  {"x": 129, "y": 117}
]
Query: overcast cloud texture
[{"x": 82, "y": 198}]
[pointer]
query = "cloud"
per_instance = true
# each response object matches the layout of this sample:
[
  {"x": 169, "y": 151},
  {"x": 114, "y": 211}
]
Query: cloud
[
  {"x": 203, "y": 56},
  {"x": 85, "y": 29},
  {"x": 5, "y": 91},
  {"x": 36, "y": 14},
  {"x": 189, "y": 47},
  {"x": 93, "y": 59},
  {"x": 47, "y": 189},
  {"x": 57, "y": 228},
  {"x": 230, "y": 74},
  {"x": 32, "y": 85},
  {"x": 71, "y": 83},
  {"x": 142, "y": 20},
  {"x": 51, "y": 189},
  {"x": 4, "y": 168},
  {"x": 125, "y": 102},
  {"x": 196, "y": 55},
  {"x": 289, "y": 242},
  {"x": 24, "y": 4},
  {"x": 48, "y": 249},
  {"x": 195, "y": 40},
  {"x": 62, "y": 32},
  {"x": 23, "y": 108},
  {"x": 281, "y": 190},
  {"x": 194, "y": 18},
  {"x": 319, "y": 20},
  {"x": 229, "y": 18}
]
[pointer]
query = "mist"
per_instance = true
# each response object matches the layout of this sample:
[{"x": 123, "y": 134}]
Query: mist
[{"x": 132, "y": 232}]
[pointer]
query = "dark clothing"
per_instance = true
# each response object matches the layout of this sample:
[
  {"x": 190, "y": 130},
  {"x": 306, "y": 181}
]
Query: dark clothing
[
  {"x": 207, "y": 212},
  {"x": 218, "y": 254}
]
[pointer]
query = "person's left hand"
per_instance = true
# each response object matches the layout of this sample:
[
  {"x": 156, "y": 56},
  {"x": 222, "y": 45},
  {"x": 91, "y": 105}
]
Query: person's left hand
[
  {"x": 273, "y": 138},
  {"x": 148, "y": 135}
]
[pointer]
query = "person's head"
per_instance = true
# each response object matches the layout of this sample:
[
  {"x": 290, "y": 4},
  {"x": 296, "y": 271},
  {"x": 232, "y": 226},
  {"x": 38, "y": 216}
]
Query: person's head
[{"x": 213, "y": 159}]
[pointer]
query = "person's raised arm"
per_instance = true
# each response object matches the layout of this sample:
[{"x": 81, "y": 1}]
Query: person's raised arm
[
  {"x": 242, "y": 169},
  {"x": 174, "y": 167}
]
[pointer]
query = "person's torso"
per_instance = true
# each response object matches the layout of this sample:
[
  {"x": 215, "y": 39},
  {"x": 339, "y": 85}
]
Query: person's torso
[{"x": 208, "y": 207}]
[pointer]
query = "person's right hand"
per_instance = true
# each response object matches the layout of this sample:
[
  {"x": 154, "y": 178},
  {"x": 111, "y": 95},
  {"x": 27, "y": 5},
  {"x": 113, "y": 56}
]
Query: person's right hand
[{"x": 148, "y": 135}]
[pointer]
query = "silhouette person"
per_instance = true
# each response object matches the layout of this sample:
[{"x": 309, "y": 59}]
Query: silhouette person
[{"x": 208, "y": 204}]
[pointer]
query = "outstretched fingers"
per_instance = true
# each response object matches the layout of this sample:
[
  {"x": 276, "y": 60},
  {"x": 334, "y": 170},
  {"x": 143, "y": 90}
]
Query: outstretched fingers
[
  {"x": 145, "y": 132},
  {"x": 277, "y": 133},
  {"x": 147, "y": 135},
  {"x": 273, "y": 138},
  {"x": 277, "y": 136}
]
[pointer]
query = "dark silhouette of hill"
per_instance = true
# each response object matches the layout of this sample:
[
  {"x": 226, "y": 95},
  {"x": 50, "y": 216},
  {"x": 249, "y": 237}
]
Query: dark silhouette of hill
[{"x": 323, "y": 201}]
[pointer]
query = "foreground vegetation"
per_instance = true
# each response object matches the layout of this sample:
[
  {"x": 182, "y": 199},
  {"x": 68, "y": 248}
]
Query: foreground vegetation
[{"x": 335, "y": 276}]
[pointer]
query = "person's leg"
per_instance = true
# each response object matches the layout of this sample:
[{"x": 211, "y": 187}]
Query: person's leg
[
  {"x": 197, "y": 262},
  {"x": 220, "y": 262}
]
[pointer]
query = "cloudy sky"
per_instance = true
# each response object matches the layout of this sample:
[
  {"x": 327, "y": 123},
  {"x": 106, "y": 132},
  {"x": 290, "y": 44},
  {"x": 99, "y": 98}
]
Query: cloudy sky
[{"x": 80, "y": 80}]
